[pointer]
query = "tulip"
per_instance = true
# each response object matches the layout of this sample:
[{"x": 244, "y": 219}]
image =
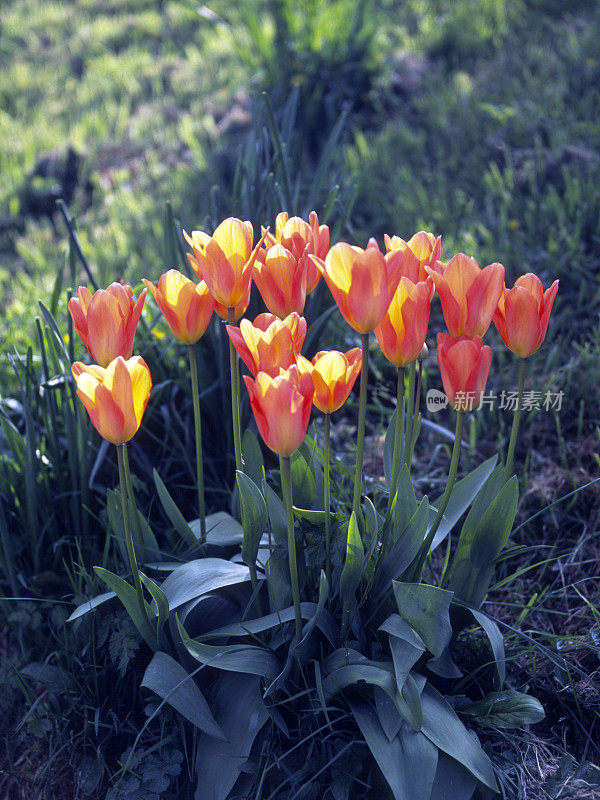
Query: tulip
[
  {"x": 523, "y": 313},
  {"x": 464, "y": 365},
  {"x": 362, "y": 282},
  {"x": 268, "y": 344},
  {"x": 186, "y": 306},
  {"x": 402, "y": 332},
  {"x": 115, "y": 397},
  {"x": 301, "y": 239},
  {"x": 469, "y": 295},
  {"x": 281, "y": 280},
  {"x": 225, "y": 260},
  {"x": 281, "y": 405},
  {"x": 334, "y": 375},
  {"x": 422, "y": 250},
  {"x": 106, "y": 320}
]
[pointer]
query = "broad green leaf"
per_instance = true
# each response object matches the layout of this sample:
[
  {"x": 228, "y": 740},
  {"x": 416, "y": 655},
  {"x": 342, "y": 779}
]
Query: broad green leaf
[
  {"x": 252, "y": 457},
  {"x": 401, "y": 555},
  {"x": 354, "y": 563},
  {"x": 406, "y": 504},
  {"x": 446, "y": 731},
  {"x": 425, "y": 608},
  {"x": 254, "y": 516},
  {"x": 245, "y": 658},
  {"x": 160, "y": 601},
  {"x": 496, "y": 641},
  {"x": 372, "y": 520},
  {"x": 90, "y": 605},
  {"x": 241, "y": 713},
  {"x": 464, "y": 492},
  {"x": 356, "y": 673},
  {"x": 494, "y": 528},
  {"x": 303, "y": 480},
  {"x": 128, "y": 596},
  {"x": 452, "y": 781},
  {"x": 408, "y": 703},
  {"x": 277, "y": 572},
  {"x": 172, "y": 683},
  {"x": 222, "y": 530},
  {"x": 388, "y": 447},
  {"x": 277, "y": 516},
  {"x": 175, "y": 516},
  {"x": 198, "y": 577},
  {"x": 406, "y": 650},
  {"x": 408, "y": 755},
  {"x": 508, "y": 709}
]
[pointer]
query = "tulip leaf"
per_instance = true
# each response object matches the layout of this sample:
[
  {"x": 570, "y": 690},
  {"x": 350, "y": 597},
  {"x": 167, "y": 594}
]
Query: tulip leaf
[
  {"x": 354, "y": 563},
  {"x": 128, "y": 596},
  {"x": 172, "y": 683},
  {"x": 452, "y": 781},
  {"x": 401, "y": 555},
  {"x": 222, "y": 530},
  {"x": 426, "y": 609},
  {"x": 90, "y": 605},
  {"x": 277, "y": 516},
  {"x": 496, "y": 641},
  {"x": 508, "y": 709},
  {"x": 175, "y": 516},
  {"x": 201, "y": 576},
  {"x": 245, "y": 658},
  {"x": 406, "y": 647},
  {"x": 303, "y": 480},
  {"x": 252, "y": 457},
  {"x": 254, "y": 516},
  {"x": 161, "y": 604},
  {"x": 446, "y": 731},
  {"x": 278, "y": 579},
  {"x": 406, "y": 503},
  {"x": 494, "y": 528}
]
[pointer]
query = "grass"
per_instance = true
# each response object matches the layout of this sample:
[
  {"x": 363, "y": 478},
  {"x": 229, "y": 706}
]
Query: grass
[{"x": 474, "y": 119}]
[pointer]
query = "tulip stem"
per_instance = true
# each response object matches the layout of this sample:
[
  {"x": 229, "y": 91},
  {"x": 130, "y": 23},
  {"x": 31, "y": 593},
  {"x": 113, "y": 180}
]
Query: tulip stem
[
  {"x": 416, "y": 570},
  {"x": 398, "y": 437},
  {"x": 327, "y": 493},
  {"x": 198, "y": 431},
  {"x": 286, "y": 485},
  {"x": 235, "y": 395},
  {"x": 362, "y": 415},
  {"x": 413, "y": 439},
  {"x": 410, "y": 410},
  {"x": 125, "y": 480},
  {"x": 508, "y": 471},
  {"x": 132, "y": 506}
]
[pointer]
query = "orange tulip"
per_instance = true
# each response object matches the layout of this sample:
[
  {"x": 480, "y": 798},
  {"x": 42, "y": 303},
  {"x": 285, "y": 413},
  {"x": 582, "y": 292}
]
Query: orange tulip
[
  {"x": 115, "y": 397},
  {"x": 281, "y": 280},
  {"x": 469, "y": 294},
  {"x": 301, "y": 239},
  {"x": 186, "y": 306},
  {"x": 225, "y": 260},
  {"x": 362, "y": 282},
  {"x": 334, "y": 375},
  {"x": 269, "y": 344},
  {"x": 523, "y": 313},
  {"x": 239, "y": 310},
  {"x": 464, "y": 365},
  {"x": 422, "y": 250},
  {"x": 401, "y": 333},
  {"x": 281, "y": 405},
  {"x": 106, "y": 320}
]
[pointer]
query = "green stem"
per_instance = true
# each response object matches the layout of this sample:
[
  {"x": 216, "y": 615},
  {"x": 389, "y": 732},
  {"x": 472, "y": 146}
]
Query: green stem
[
  {"x": 255, "y": 588},
  {"x": 362, "y": 414},
  {"x": 410, "y": 408},
  {"x": 508, "y": 471},
  {"x": 235, "y": 395},
  {"x": 137, "y": 531},
  {"x": 198, "y": 430},
  {"x": 398, "y": 431},
  {"x": 327, "y": 502},
  {"x": 286, "y": 485},
  {"x": 415, "y": 572},
  {"x": 413, "y": 439},
  {"x": 124, "y": 479}
]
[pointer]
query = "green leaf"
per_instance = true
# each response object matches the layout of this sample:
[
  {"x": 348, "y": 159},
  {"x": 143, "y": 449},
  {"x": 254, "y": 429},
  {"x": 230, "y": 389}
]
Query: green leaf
[
  {"x": 494, "y": 529},
  {"x": 353, "y": 566},
  {"x": 175, "y": 516},
  {"x": 277, "y": 571},
  {"x": 496, "y": 640},
  {"x": 446, "y": 731},
  {"x": 90, "y": 605},
  {"x": 254, "y": 516},
  {"x": 252, "y": 457},
  {"x": 406, "y": 504},
  {"x": 425, "y": 608},
  {"x": 508, "y": 709},
  {"x": 406, "y": 647},
  {"x": 246, "y": 658},
  {"x": 198, "y": 577},
  {"x": 172, "y": 683},
  {"x": 277, "y": 516},
  {"x": 408, "y": 755},
  {"x": 406, "y": 547},
  {"x": 452, "y": 780},
  {"x": 388, "y": 447},
  {"x": 128, "y": 596},
  {"x": 222, "y": 530},
  {"x": 303, "y": 480},
  {"x": 161, "y": 602}
]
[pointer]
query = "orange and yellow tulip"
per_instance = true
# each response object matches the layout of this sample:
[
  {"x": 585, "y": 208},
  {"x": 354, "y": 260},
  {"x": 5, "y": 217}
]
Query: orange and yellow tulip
[
  {"x": 269, "y": 344},
  {"x": 469, "y": 294},
  {"x": 186, "y": 306},
  {"x": 115, "y": 397},
  {"x": 334, "y": 374},
  {"x": 225, "y": 260},
  {"x": 281, "y": 280},
  {"x": 301, "y": 238},
  {"x": 464, "y": 365},
  {"x": 401, "y": 333},
  {"x": 106, "y": 320},
  {"x": 281, "y": 405},
  {"x": 422, "y": 250},
  {"x": 523, "y": 313},
  {"x": 362, "y": 282}
]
